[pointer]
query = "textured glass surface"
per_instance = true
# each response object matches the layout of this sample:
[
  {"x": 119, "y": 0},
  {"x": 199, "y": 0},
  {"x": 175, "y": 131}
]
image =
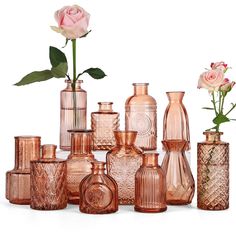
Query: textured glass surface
[
  {"x": 141, "y": 116},
  {"x": 98, "y": 192},
  {"x": 150, "y": 186},
  {"x": 179, "y": 179},
  {"x": 48, "y": 184},
  {"x": 176, "y": 123},
  {"x": 123, "y": 161},
  {"x": 78, "y": 162},
  {"x": 68, "y": 120},
  {"x": 103, "y": 123},
  {"x": 213, "y": 174},
  {"x": 27, "y": 148}
]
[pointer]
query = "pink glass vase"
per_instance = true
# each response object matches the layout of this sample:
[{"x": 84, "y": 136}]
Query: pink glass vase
[
  {"x": 176, "y": 122},
  {"x": 141, "y": 116},
  {"x": 73, "y": 112}
]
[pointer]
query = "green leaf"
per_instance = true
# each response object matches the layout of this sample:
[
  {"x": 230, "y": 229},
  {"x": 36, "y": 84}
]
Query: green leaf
[
  {"x": 220, "y": 118},
  {"x": 208, "y": 108},
  {"x": 36, "y": 76},
  {"x": 60, "y": 71},
  {"x": 56, "y": 56},
  {"x": 83, "y": 36},
  {"x": 95, "y": 73}
]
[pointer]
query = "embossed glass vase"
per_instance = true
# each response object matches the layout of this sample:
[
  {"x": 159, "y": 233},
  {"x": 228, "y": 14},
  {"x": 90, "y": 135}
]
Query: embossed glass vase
[
  {"x": 73, "y": 112},
  {"x": 213, "y": 173},
  {"x": 103, "y": 123},
  {"x": 123, "y": 161},
  {"x": 141, "y": 116},
  {"x": 98, "y": 192}
]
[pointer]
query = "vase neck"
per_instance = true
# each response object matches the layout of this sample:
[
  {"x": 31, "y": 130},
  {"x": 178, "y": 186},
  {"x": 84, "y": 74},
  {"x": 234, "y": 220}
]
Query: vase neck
[
  {"x": 150, "y": 159},
  {"x": 174, "y": 145},
  {"x": 105, "y": 106},
  {"x": 213, "y": 136},
  {"x": 125, "y": 138},
  {"x": 77, "y": 84},
  {"x": 81, "y": 142},
  {"x": 49, "y": 151},
  {"x": 27, "y": 148},
  {"x": 98, "y": 167},
  {"x": 140, "y": 88},
  {"x": 175, "y": 96}
]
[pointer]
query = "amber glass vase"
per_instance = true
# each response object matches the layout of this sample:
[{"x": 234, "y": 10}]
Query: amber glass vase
[
  {"x": 48, "y": 181},
  {"x": 213, "y": 173},
  {"x": 103, "y": 123},
  {"x": 141, "y": 116},
  {"x": 78, "y": 162},
  {"x": 98, "y": 192},
  {"x": 123, "y": 161},
  {"x": 150, "y": 186},
  {"x": 27, "y": 148},
  {"x": 176, "y": 123},
  {"x": 73, "y": 112},
  {"x": 179, "y": 179}
]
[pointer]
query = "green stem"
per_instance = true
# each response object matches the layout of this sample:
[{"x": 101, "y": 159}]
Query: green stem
[
  {"x": 214, "y": 102},
  {"x": 220, "y": 96},
  {"x": 230, "y": 109},
  {"x": 222, "y": 105},
  {"x": 74, "y": 81}
]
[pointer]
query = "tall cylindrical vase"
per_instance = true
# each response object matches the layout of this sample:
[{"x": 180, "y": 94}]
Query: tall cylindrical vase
[
  {"x": 213, "y": 173},
  {"x": 73, "y": 112}
]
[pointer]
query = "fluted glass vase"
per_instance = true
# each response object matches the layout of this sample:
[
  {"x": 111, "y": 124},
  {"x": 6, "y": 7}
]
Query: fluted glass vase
[
  {"x": 213, "y": 173},
  {"x": 73, "y": 112}
]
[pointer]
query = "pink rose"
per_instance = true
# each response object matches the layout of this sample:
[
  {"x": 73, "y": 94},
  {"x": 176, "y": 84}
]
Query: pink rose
[
  {"x": 219, "y": 65},
  {"x": 72, "y": 21},
  {"x": 226, "y": 86},
  {"x": 211, "y": 80}
]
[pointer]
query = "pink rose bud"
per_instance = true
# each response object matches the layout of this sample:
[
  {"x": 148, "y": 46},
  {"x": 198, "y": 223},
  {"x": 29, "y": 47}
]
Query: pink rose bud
[
  {"x": 219, "y": 65},
  {"x": 72, "y": 21},
  {"x": 226, "y": 86}
]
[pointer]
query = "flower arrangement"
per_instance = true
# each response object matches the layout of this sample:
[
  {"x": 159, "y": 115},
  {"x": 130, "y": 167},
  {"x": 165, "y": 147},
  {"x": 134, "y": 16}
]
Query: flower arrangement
[
  {"x": 73, "y": 24},
  {"x": 218, "y": 87}
]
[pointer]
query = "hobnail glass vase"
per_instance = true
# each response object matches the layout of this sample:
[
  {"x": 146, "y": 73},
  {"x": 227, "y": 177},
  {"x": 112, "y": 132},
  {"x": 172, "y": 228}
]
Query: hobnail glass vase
[{"x": 213, "y": 173}]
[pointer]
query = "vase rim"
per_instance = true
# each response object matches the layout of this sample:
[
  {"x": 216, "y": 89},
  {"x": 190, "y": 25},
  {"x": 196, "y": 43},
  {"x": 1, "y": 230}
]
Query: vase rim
[
  {"x": 105, "y": 103},
  {"x": 125, "y": 131},
  {"x": 213, "y": 132},
  {"x": 168, "y": 92},
  {"x": 77, "y": 81},
  {"x": 80, "y": 131},
  {"x": 140, "y": 84},
  {"x": 27, "y": 137}
]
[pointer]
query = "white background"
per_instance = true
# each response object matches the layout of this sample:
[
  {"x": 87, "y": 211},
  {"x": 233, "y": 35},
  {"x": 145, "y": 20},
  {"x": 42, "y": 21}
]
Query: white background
[{"x": 166, "y": 43}]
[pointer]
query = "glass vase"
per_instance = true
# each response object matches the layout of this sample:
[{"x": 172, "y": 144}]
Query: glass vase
[
  {"x": 123, "y": 161},
  {"x": 150, "y": 186},
  {"x": 27, "y": 148},
  {"x": 141, "y": 116},
  {"x": 103, "y": 123},
  {"x": 48, "y": 181},
  {"x": 98, "y": 192},
  {"x": 179, "y": 179},
  {"x": 78, "y": 162},
  {"x": 176, "y": 122},
  {"x": 73, "y": 112},
  {"x": 213, "y": 173}
]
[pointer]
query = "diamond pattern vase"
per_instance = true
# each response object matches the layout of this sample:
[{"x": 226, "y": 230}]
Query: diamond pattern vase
[{"x": 213, "y": 173}]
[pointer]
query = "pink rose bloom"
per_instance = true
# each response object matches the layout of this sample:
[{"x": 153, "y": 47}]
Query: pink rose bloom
[
  {"x": 226, "y": 86},
  {"x": 72, "y": 21},
  {"x": 211, "y": 80},
  {"x": 219, "y": 65}
]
